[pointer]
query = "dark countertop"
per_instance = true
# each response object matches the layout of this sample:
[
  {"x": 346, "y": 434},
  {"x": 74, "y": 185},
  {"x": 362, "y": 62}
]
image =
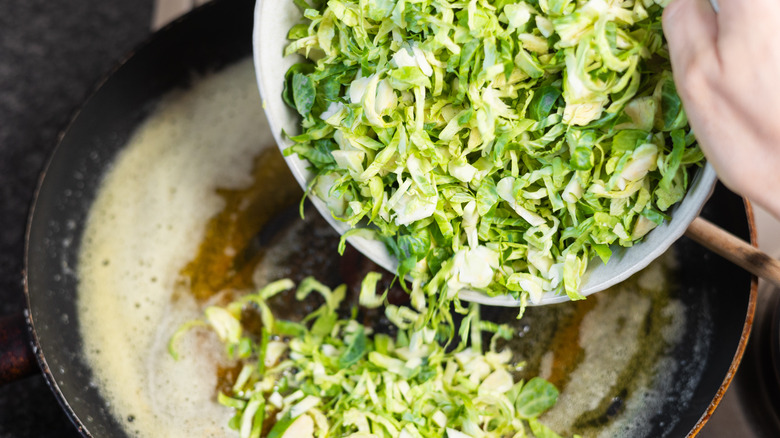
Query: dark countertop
[{"x": 52, "y": 54}]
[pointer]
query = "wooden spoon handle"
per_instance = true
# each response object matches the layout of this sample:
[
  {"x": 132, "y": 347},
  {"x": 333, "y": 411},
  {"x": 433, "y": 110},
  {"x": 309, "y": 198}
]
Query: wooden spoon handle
[{"x": 734, "y": 249}]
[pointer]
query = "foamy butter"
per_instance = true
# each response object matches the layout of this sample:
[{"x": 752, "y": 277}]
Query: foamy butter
[
  {"x": 611, "y": 337},
  {"x": 145, "y": 225}
]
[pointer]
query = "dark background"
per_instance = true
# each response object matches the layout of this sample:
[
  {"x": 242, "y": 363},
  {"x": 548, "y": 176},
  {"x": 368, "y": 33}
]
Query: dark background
[{"x": 52, "y": 54}]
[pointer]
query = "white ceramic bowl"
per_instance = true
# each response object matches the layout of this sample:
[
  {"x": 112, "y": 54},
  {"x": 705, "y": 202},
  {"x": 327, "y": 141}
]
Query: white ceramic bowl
[{"x": 273, "y": 19}]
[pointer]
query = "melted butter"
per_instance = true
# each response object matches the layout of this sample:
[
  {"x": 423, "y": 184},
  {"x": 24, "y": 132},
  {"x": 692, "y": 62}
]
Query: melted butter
[
  {"x": 565, "y": 348},
  {"x": 621, "y": 344},
  {"x": 609, "y": 355},
  {"x": 156, "y": 208},
  {"x": 226, "y": 258}
]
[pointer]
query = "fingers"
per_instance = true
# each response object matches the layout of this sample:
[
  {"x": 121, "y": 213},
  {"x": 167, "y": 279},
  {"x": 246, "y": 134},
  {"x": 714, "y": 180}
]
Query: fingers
[
  {"x": 734, "y": 14},
  {"x": 691, "y": 28},
  {"x": 737, "y": 17}
]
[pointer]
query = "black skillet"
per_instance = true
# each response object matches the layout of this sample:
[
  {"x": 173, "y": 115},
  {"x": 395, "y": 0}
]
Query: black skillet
[
  {"x": 720, "y": 296},
  {"x": 205, "y": 40}
]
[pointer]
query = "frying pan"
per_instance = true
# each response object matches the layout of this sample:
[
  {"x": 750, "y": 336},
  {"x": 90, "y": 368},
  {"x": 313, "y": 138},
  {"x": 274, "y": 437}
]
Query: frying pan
[{"x": 720, "y": 297}]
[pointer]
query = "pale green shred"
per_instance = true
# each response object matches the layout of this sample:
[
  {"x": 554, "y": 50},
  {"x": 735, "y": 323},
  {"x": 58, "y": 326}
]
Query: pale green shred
[
  {"x": 492, "y": 145},
  {"x": 328, "y": 376}
]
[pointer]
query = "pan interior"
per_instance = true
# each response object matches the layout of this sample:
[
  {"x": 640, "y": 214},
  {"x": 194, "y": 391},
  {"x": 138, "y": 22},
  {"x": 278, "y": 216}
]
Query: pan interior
[
  {"x": 628, "y": 361},
  {"x": 144, "y": 226}
]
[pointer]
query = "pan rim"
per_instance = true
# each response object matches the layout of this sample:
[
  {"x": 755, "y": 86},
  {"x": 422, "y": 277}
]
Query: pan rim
[
  {"x": 744, "y": 336},
  {"x": 103, "y": 79}
]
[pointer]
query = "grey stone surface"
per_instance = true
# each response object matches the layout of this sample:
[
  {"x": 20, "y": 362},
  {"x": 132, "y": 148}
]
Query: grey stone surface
[{"x": 52, "y": 54}]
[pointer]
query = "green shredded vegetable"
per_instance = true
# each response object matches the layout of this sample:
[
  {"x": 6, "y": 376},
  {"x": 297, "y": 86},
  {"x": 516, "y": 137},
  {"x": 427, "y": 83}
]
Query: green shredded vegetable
[
  {"x": 492, "y": 145},
  {"x": 338, "y": 378}
]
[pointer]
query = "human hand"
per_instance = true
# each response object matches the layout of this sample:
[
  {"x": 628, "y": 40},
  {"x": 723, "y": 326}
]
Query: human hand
[{"x": 727, "y": 70}]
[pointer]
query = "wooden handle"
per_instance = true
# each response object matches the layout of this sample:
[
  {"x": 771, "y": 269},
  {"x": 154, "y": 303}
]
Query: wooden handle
[{"x": 735, "y": 250}]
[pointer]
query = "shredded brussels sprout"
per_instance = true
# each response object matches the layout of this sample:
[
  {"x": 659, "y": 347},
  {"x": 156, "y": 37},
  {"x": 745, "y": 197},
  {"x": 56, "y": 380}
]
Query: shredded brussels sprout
[
  {"x": 493, "y": 145},
  {"x": 332, "y": 377}
]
